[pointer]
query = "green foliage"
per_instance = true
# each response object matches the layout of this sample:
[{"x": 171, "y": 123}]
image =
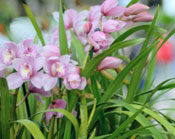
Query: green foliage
[{"x": 102, "y": 110}]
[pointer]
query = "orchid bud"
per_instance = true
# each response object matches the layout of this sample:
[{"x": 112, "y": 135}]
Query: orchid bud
[
  {"x": 110, "y": 8},
  {"x": 87, "y": 27},
  {"x": 113, "y": 25},
  {"x": 143, "y": 17},
  {"x": 109, "y": 63},
  {"x": 135, "y": 9}
]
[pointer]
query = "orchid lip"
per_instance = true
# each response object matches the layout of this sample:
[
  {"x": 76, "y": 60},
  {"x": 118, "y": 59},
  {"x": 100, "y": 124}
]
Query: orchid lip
[
  {"x": 25, "y": 71},
  {"x": 58, "y": 69},
  {"x": 8, "y": 55}
]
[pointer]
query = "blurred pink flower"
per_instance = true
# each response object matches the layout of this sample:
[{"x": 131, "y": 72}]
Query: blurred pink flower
[
  {"x": 165, "y": 53},
  {"x": 135, "y": 9},
  {"x": 69, "y": 17},
  {"x": 94, "y": 13},
  {"x": 27, "y": 69},
  {"x": 110, "y": 8},
  {"x": 50, "y": 51},
  {"x": 109, "y": 63}
]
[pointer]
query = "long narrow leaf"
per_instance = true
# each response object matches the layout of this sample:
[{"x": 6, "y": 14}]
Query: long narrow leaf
[
  {"x": 79, "y": 48},
  {"x": 32, "y": 127},
  {"x": 5, "y": 109},
  {"x": 34, "y": 22},
  {"x": 62, "y": 32},
  {"x": 114, "y": 86},
  {"x": 137, "y": 74}
]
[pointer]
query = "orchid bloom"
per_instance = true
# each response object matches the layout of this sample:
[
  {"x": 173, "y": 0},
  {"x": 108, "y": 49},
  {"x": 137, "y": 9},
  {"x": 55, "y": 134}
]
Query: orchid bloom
[
  {"x": 110, "y": 8},
  {"x": 135, "y": 9},
  {"x": 59, "y": 103},
  {"x": 28, "y": 49},
  {"x": 8, "y": 53},
  {"x": 27, "y": 69},
  {"x": 113, "y": 25},
  {"x": 99, "y": 40},
  {"x": 74, "y": 81},
  {"x": 55, "y": 67},
  {"x": 109, "y": 63}
]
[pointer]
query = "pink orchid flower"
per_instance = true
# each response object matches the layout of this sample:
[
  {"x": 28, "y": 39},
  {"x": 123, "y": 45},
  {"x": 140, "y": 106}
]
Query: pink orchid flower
[
  {"x": 8, "y": 53},
  {"x": 143, "y": 17},
  {"x": 27, "y": 69},
  {"x": 74, "y": 81},
  {"x": 55, "y": 67},
  {"x": 113, "y": 25},
  {"x": 99, "y": 40},
  {"x": 59, "y": 103},
  {"x": 109, "y": 63},
  {"x": 38, "y": 91},
  {"x": 135, "y": 9},
  {"x": 28, "y": 49},
  {"x": 110, "y": 8}
]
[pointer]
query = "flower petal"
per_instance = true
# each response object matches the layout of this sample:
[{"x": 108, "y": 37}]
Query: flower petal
[
  {"x": 14, "y": 81},
  {"x": 37, "y": 80},
  {"x": 49, "y": 82}
]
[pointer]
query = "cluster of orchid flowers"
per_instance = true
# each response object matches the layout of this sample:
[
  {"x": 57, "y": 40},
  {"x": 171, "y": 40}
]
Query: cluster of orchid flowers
[{"x": 43, "y": 67}]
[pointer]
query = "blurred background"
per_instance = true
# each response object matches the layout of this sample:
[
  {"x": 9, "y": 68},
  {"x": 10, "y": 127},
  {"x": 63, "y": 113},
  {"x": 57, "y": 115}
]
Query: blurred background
[{"x": 14, "y": 25}]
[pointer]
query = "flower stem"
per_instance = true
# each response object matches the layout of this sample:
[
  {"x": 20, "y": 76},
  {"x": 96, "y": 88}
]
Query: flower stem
[
  {"x": 26, "y": 100},
  {"x": 84, "y": 117},
  {"x": 13, "y": 111}
]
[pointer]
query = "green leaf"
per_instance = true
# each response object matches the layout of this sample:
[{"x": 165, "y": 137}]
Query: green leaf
[
  {"x": 34, "y": 22},
  {"x": 125, "y": 124},
  {"x": 140, "y": 117},
  {"x": 32, "y": 127},
  {"x": 62, "y": 32},
  {"x": 115, "y": 85},
  {"x": 132, "y": 2},
  {"x": 68, "y": 115},
  {"x": 158, "y": 118},
  {"x": 5, "y": 109},
  {"x": 134, "y": 132},
  {"x": 91, "y": 65},
  {"x": 137, "y": 74},
  {"x": 79, "y": 48},
  {"x": 95, "y": 90}
]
